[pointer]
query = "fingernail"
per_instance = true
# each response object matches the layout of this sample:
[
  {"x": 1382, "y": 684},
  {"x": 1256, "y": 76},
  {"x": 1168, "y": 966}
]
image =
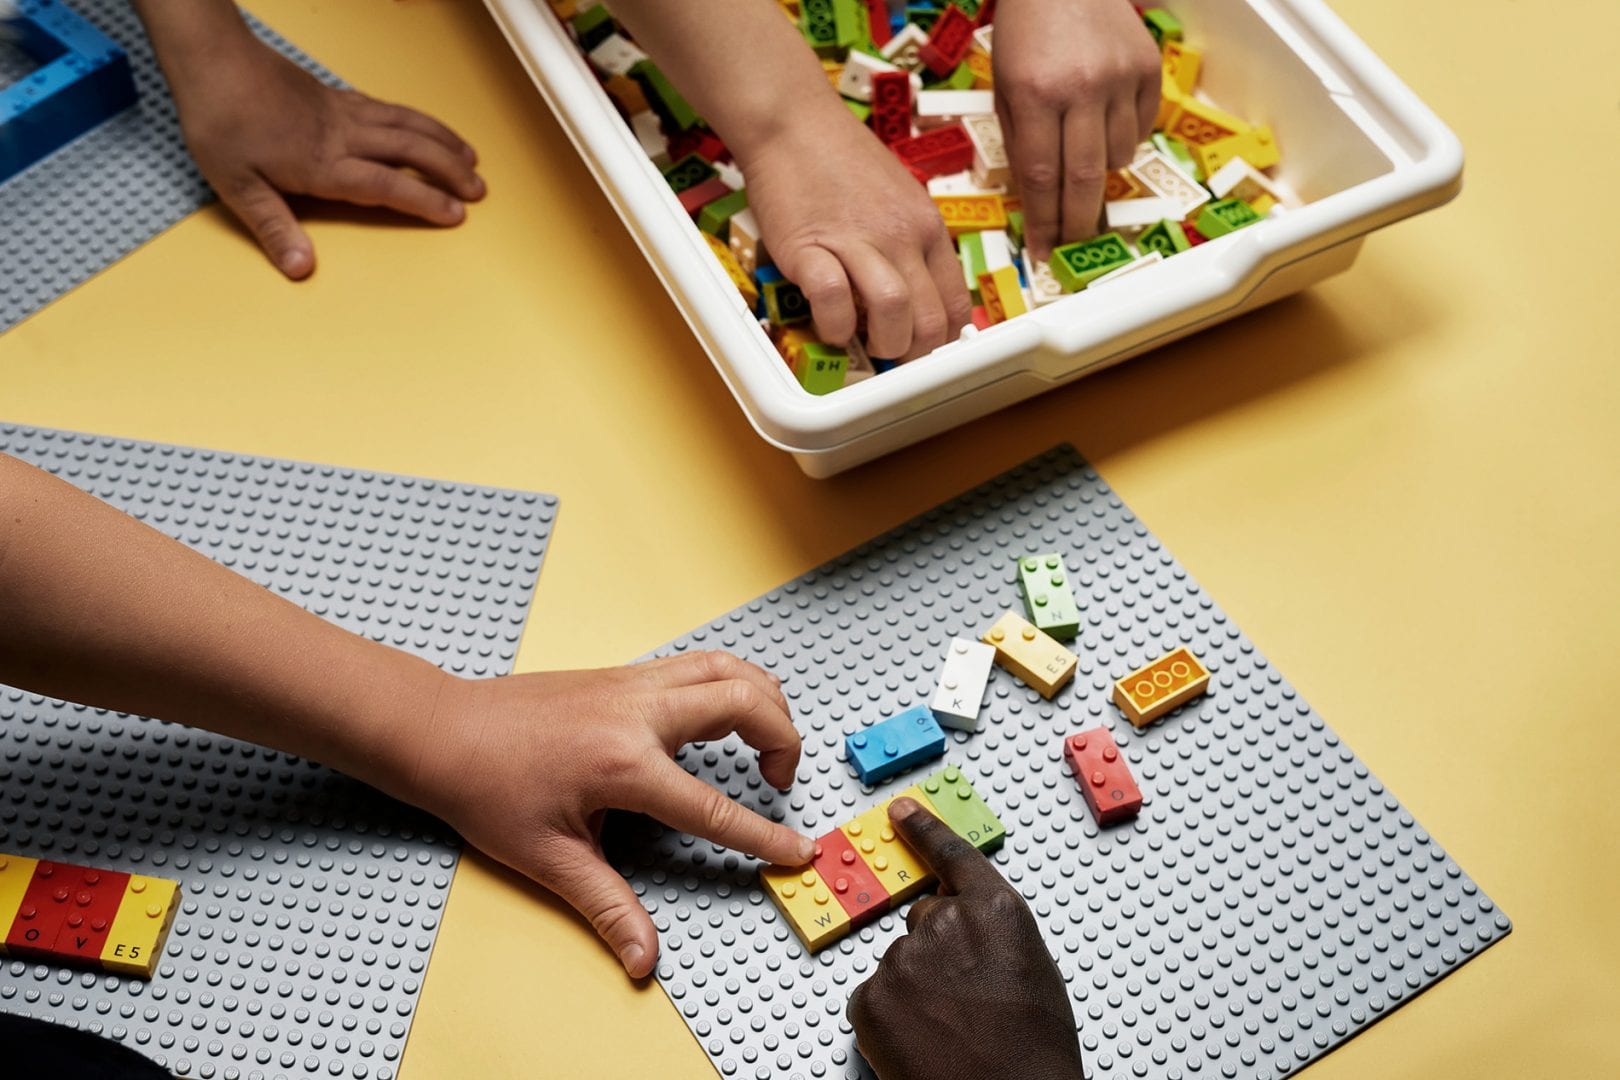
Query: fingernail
[
  {"x": 294, "y": 263},
  {"x": 902, "y": 808},
  {"x": 455, "y": 211},
  {"x": 807, "y": 849},
  {"x": 630, "y": 956},
  {"x": 475, "y": 187}
]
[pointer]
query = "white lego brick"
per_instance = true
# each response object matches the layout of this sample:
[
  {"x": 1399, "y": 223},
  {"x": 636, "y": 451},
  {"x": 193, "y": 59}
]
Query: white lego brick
[
  {"x": 990, "y": 164},
  {"x": 981, "y": 38},
  {"x": 616, "y": 55},
  {"x": 962, "y": 682},
  {"x": 743, "y": 236},
  {"x": 1044, "y": 287},
  {"x": 954, "y": 104},
  {"x": 1140, "y": 213},
  {"x": 997, "y": 249},
  {"x": 856, "y": 80},
  {"x": 901, "y": 50},
  {"x": 1129, "y": 268},
  {"x": 962, "y": 183},
  {"x": 730, "y": 175},
  {"x": 860, "y": 364},
  {"x": 651, "y": 137},
  {"x": 1165, "y": 179},
  {"x": 1238, "y": 179}
]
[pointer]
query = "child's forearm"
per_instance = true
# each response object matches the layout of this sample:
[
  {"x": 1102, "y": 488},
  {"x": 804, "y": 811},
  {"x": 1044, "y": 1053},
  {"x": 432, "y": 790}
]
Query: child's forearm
[
  {"x": 186, "y": 34},
  {"x": 740, "y": 63},
  {"x": 98, "y": 608}
]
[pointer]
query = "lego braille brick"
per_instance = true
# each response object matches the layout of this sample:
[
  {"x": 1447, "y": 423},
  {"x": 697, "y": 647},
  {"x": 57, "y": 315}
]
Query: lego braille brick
[
  {"x": 892, "y": 746},
  {"x": 309, "y": 885},
  {"x": 123, "y": 182},
  {"x": 134, "y": 943},
  {"x": 1076, "y": 265},
  {"x": 42, "y": 912},
  {"x": 16, "y": 872},
  {"x": 1104, "y": 778},
  {"x": 853, "y": 883},
  {"x": 1274, "y": 840},
  {"x": 1048, "y": 600},
  {"x": 897, "y": 868},
  {"x": 958, "y": 805},
  {"x": 1155, "y": 689},
  {"x": 807, "y": 903},
  {"x": 1044, "y": 665},
  {"x": 959, "y": 697},
  {"x": 1225, "y": 216}
]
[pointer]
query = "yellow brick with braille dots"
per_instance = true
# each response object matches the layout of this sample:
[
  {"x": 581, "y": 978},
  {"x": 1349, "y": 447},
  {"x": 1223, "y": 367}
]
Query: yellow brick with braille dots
[
  {"x": 16, "y": 871},
  {"x": 873, "y": 837},
  {"x": 807, "y": 904},
  {"x": 135, "y": 942},
  {"x": 1035, "y": 657}
]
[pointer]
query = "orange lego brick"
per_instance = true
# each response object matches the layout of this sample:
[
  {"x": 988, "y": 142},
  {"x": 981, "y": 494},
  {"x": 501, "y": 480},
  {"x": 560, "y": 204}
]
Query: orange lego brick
[
  {"x": 1003, "y": 298},
  {"x": 1151, "y": 691},
  {"x": 971, "y": 213}
]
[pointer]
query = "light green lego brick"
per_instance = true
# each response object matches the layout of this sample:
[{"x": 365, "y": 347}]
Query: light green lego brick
[
  {"x": 1225, "y": 216},
  {"x": 822, "y": 368},
  {"x": 1167, "y": 238},
  {"x": 1162, "y": 25},
  {"x": 1015, "y": 227},
  {"x": 1047, "y": 596},
  {"x": 970, "y": 8},
  {"x": 960, "y": 79},
  {"x": 716, "y": 216},
  {"x": 662, "y": 95},
  {"x": 970, "y": 249},
  {"x": 959, "y": 806},
  {"x": 849, "y": 24},
  {"x": 1076, "y": 264},
  {"x": 861, "y": 109},
  {"x": 1176, "y": 150},
  {"x": 818, "y": 22}
]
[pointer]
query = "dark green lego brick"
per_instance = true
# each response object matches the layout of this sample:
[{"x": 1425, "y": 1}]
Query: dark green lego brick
[
  {"x": 690, "y": 171},
  {"x": 1167, "y": 238}
]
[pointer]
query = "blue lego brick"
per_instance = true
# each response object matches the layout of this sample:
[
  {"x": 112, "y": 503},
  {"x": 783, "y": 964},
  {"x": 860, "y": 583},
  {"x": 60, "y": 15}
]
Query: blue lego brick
[
  {"x": 83, "y": 79},
  {"x": 895, "y": 745}
]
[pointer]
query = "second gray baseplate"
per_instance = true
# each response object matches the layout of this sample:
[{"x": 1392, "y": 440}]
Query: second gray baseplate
[
  {"x": 309, "y": 902},
  {"x": 1270, "y": 900},
  {"x": 105, "y": 194}
]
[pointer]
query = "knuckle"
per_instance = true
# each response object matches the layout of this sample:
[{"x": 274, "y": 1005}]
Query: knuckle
[
  {"x": 1085, "y": 174},
  {"x": 930, "y": 327},
  {"x": 1040, "y": 177},
  {"x": 1003, "y": 905},
  {"x": 741, "y": 698},
  {"x": 713, "y": 665},
  {"x": 888, "y": 300},
  {"x": 720, "y": 816}
]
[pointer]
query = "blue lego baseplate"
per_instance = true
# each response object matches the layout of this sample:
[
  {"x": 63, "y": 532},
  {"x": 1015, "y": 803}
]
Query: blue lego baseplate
[
  {"x": 1270, "y": 900},
  {"x": 87, "y": 205},
  {"x": 309, "y": 902},
  {"x": 82, "y": 79}
]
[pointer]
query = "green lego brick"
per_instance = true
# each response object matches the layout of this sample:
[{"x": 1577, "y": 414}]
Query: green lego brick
[
  {"x": 861, "y": 110},
  {"x": 785, "y": 303},
  {"x": 1162, "y": 25},
  {"x": 1015, "y": 226},
  {"x": 849, "y": 24},
  {"x": 970, "y": 249},
  {"x": 593, "y": 26},
  {"x": 822, "y": 368},
  {"x": 959, "y": 806},
  {"x": 1225, "y": 216},
  {"x": 1076, "y": 264},
  {"x": 1047, "y": 596},
  {"x": 970, "y": 8},
  {"x": 1176, "y": 150},
  {"x": 688, "y": 172},
  {"x": 960, "y": 79},
  {"x": 714, "y": 217},
  {"x": 662, "y": 96},
  {"x": 922, "y": 15},
  {"x": 818, "y": 22},
  {"x": 1167, "y": 238}
]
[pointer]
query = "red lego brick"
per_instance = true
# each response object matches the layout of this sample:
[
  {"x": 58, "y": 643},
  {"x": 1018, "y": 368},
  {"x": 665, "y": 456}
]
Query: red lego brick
[
  {"x": 877, "y": 20},
  {"x": 850, "y": 878},
  {"x": 1194, "y": 237},
  {"x": 891, "y": 106},
  {"x": 935, "y": 153},
  {"x": 696, "y": 197},
  {"x": 981, "y": 317},
  {"x": 705, "y": 144},
  {"x": 987, "y": 13},
  {"x": 1105, "y": 779},
  {"x": 948, "y": 42},
  {"x": 66, "y": 913}
]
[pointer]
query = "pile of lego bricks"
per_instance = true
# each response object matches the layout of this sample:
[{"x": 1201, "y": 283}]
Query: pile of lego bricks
[
  {"x": 922, "y": 80},
  {"x": 862, "y": 869}
]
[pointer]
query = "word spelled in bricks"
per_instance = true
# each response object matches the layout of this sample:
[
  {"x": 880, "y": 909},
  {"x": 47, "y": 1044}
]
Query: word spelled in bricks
[{"x": 65, "y": 914}]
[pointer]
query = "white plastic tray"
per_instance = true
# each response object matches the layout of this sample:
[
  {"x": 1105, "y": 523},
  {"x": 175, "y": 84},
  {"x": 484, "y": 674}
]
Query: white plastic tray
[{"x": 1357, "y": 146}]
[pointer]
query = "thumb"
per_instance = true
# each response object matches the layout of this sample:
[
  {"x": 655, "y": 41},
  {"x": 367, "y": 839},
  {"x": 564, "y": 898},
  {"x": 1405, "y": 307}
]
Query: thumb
[
  {"x": 261, "y": 208},
  {"x": 595, "y": 890}
]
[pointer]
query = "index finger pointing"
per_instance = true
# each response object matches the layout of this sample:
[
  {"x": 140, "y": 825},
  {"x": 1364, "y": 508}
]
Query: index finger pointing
[
  {"x": 958, "y": 864},
  {"x": 677, "y": 798}
]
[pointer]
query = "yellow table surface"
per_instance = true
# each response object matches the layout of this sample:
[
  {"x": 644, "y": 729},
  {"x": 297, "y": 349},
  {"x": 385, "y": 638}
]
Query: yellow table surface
[{"x": 1402, "y": 485}]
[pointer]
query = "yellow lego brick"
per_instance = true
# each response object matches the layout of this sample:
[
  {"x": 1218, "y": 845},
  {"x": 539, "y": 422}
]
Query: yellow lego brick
[
  {"x": 1003, "y": 299},
  {"x": 979, "y": 64},
  {"x": 1257, "y": 146},
  {"x": 139, "y": 929},
  {"x": 564, "y": 9},
  {"x": 16, "y": 871},
  {"x": 971, "y": 213},
  {"x": 1034, "y": 657},
  {"x": 1170, "y": 96},
  {"x": 1181, "y": 63},
  {"x": 733, "y": 269},
  {"x": 1196, "y": 123},
  {"x": 1151, "y": 691},
  {"x": 807, "y": 904},
  {"x": 627, "y": 93},
  {"x": 897, "y": 868},
  {"x": 834, "y": 70}
]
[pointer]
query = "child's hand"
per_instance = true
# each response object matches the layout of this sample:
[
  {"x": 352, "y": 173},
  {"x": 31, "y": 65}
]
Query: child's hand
[
  {"x": 1077, "y": 88},
  {"x": 525, "y": 768},
  {"x": 846, "y": 222},
  {"x": 261, "y": 127}
]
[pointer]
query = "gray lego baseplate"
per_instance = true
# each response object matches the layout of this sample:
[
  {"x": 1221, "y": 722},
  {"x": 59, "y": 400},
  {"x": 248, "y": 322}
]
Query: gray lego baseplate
[
  {"x": 1270, "y": 900},
  {"x": 105, "y": 194},
  {"x": 310, "y": 901}
]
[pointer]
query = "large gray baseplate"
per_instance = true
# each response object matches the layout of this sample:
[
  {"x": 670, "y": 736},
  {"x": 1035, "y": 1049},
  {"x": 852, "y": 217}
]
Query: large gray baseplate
[
  {"x": 309, "y": 901},
  {"x": 105, "y": 194},
  {"x": 1271, "y": 899}
]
